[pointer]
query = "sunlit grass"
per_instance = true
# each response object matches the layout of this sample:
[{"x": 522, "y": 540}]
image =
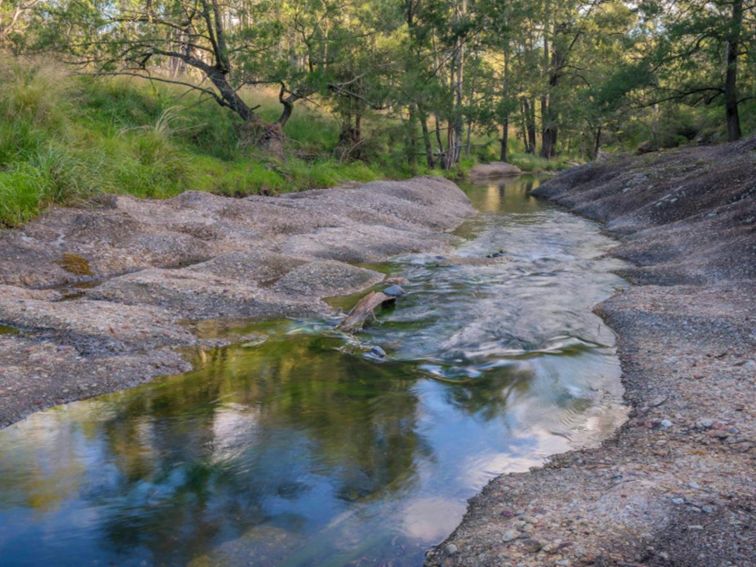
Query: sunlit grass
[{"x": 64, "y": 139}]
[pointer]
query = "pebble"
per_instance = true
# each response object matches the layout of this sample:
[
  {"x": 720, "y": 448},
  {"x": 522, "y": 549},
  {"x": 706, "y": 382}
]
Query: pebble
[
  {"x": 509, "y": 535},
  {"x": 532, "y": 545},
  {"x": 656, "y": 402},
  {"x": 552, "y": 547},
  {"x": 394, "y": 291},
  {"x": 678, "y": 500},
  {"x": 451, "y": 549},
  {"x": 705, "y": 423},
  {"x": 665, "y": 424},
  {"x": 719, "y": 434},
  {"x": 376, "y": 352}
]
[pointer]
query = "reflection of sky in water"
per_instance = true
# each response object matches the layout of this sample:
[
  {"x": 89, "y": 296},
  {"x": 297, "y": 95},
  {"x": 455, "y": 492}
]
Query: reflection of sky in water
[{"x": 296, "y": 453}]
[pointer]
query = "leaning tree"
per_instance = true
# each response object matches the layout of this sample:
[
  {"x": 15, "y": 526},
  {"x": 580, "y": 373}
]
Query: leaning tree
[{"x": 213, "y": 47}]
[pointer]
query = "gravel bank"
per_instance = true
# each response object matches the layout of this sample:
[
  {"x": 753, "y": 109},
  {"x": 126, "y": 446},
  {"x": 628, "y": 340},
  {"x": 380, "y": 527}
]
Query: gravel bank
[
  {"x": 675, "y": 486},
  {"x": 98, "y": 299}
]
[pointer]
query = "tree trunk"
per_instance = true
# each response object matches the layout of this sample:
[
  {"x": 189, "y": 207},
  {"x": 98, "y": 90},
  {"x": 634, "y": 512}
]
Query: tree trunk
[
  {"x": 546, "y": 142},
  {"x": 358, "y": 124},
  {"x": 412, "y": 138},
  {"x": 597, "y": 142},
  {"x": 545, "y": 135},
  {"x": 531, "y": 120},
  {"x": 426, "y": 138},
  {"x": 457, "y": 125},
  {"x": 503, "y": 150},
  {"x": 288, "y": 108},
  {"x": 228, "y": 94},
  {"x": 439, "y": 141},
  {"x": 523, "y": 125},
  {"x": 554, "y": 62},
  {"x": 503, "y": 153},
  {"x": 731, "y": 76},
  {"x": 548, "y": 147},
  {"x": 364, "y": 310},
  {"x": 350, "y": 137}
]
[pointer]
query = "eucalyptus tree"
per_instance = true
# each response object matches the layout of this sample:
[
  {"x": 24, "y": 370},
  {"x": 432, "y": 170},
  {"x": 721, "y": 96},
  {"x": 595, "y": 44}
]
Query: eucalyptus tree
[
  {"x": 213, "y": 47},
  {"x": 696, "y": 50},
  {"x": 596, "y": 78},
  {"x": 14, "y": 20},
  {"x": 505, "y": 28}
]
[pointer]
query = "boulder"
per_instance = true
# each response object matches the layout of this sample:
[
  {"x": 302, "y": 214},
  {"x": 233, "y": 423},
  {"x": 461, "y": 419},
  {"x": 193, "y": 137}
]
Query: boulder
[{"x": 494, "y": 169}]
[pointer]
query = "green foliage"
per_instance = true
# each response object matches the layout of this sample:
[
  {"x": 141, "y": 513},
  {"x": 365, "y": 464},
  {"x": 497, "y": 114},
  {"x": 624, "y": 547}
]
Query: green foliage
[
  {"x": 21, "y": 194},
  {"x": 265, "y": 96},
  {"x": 535, "y": 164},
  {"x": 65, "y": 139}
]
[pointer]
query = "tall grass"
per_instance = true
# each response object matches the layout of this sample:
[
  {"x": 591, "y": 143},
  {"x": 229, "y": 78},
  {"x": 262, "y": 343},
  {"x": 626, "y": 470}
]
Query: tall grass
[{"x": 64, "y": 139}]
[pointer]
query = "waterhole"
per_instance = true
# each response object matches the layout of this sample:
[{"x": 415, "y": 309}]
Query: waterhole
[{"x": 305, "y": 448}]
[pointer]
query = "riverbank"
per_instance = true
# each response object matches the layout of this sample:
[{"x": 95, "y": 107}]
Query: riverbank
[
  {"x": 99, "y": 299},
  {"x": 675, "y": 485}
]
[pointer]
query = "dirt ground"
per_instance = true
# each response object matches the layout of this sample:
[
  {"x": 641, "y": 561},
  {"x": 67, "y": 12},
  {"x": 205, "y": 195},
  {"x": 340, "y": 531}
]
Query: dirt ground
[{"x": 675, "y": 486}]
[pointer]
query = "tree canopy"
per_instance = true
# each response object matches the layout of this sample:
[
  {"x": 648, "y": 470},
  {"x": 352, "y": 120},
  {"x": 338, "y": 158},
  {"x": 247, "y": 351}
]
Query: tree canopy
[{"x": 557, "y": 77}]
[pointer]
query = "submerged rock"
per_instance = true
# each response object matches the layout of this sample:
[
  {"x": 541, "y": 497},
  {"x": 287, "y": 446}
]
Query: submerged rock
[
  {"x": 376, "y": 352},
  {"x": 394, "y": 291}
]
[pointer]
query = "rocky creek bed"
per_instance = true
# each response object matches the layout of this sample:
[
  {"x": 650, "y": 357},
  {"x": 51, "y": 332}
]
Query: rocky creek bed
[
  {"x": 301, "y": 443},
  {"x": 98, "y": 299},
  {"x": 675, "y": 485}
]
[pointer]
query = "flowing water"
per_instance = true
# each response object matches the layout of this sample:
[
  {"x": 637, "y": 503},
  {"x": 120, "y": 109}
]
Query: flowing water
[{"x": 308, "y": 449}]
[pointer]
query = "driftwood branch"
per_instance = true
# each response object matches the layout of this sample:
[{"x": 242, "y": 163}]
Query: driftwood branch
[{"x": 364, "y": 311}]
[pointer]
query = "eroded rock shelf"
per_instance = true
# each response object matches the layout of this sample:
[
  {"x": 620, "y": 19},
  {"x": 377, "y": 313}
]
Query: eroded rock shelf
[{"x": 100, "y": 295}]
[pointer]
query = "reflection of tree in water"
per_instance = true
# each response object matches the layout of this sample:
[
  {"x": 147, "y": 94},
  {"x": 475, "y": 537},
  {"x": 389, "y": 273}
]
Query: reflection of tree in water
[
  {"x": 489, "y": 395},
  {"x": 25, "y": 474},
  {"x": 509, "y": 194},
  {"x": 202, "y": 456}
]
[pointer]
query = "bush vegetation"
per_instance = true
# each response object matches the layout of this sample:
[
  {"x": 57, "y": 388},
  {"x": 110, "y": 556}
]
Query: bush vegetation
[{"x": 64, "y": 139}]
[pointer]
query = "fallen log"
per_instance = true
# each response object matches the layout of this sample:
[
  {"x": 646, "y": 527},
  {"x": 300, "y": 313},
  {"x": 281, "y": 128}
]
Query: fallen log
[{"x": 364, "y": 310}]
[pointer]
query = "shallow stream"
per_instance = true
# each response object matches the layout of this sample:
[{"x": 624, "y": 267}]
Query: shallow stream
[{"x": 303, "y": 448}]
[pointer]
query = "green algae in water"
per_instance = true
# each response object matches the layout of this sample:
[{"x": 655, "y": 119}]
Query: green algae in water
[
  {"x": 5, "y": 330},
  {"x": 302, "y": 451}
]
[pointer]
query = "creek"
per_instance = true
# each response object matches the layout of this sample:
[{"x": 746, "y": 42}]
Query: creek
[{"x": 303, "y": 448}]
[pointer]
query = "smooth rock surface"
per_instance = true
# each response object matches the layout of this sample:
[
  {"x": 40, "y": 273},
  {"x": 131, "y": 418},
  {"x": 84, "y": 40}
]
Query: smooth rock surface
[{"x": 100, "y": 295}]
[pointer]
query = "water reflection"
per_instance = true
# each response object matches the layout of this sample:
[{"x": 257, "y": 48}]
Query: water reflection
[
  {"x": 510, "y": 195},
  {"x": 299, "y": 451}
]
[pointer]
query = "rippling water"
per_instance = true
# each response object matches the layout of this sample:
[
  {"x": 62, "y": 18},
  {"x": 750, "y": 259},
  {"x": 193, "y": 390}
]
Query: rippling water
[{"x": 305, "y": 449}]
